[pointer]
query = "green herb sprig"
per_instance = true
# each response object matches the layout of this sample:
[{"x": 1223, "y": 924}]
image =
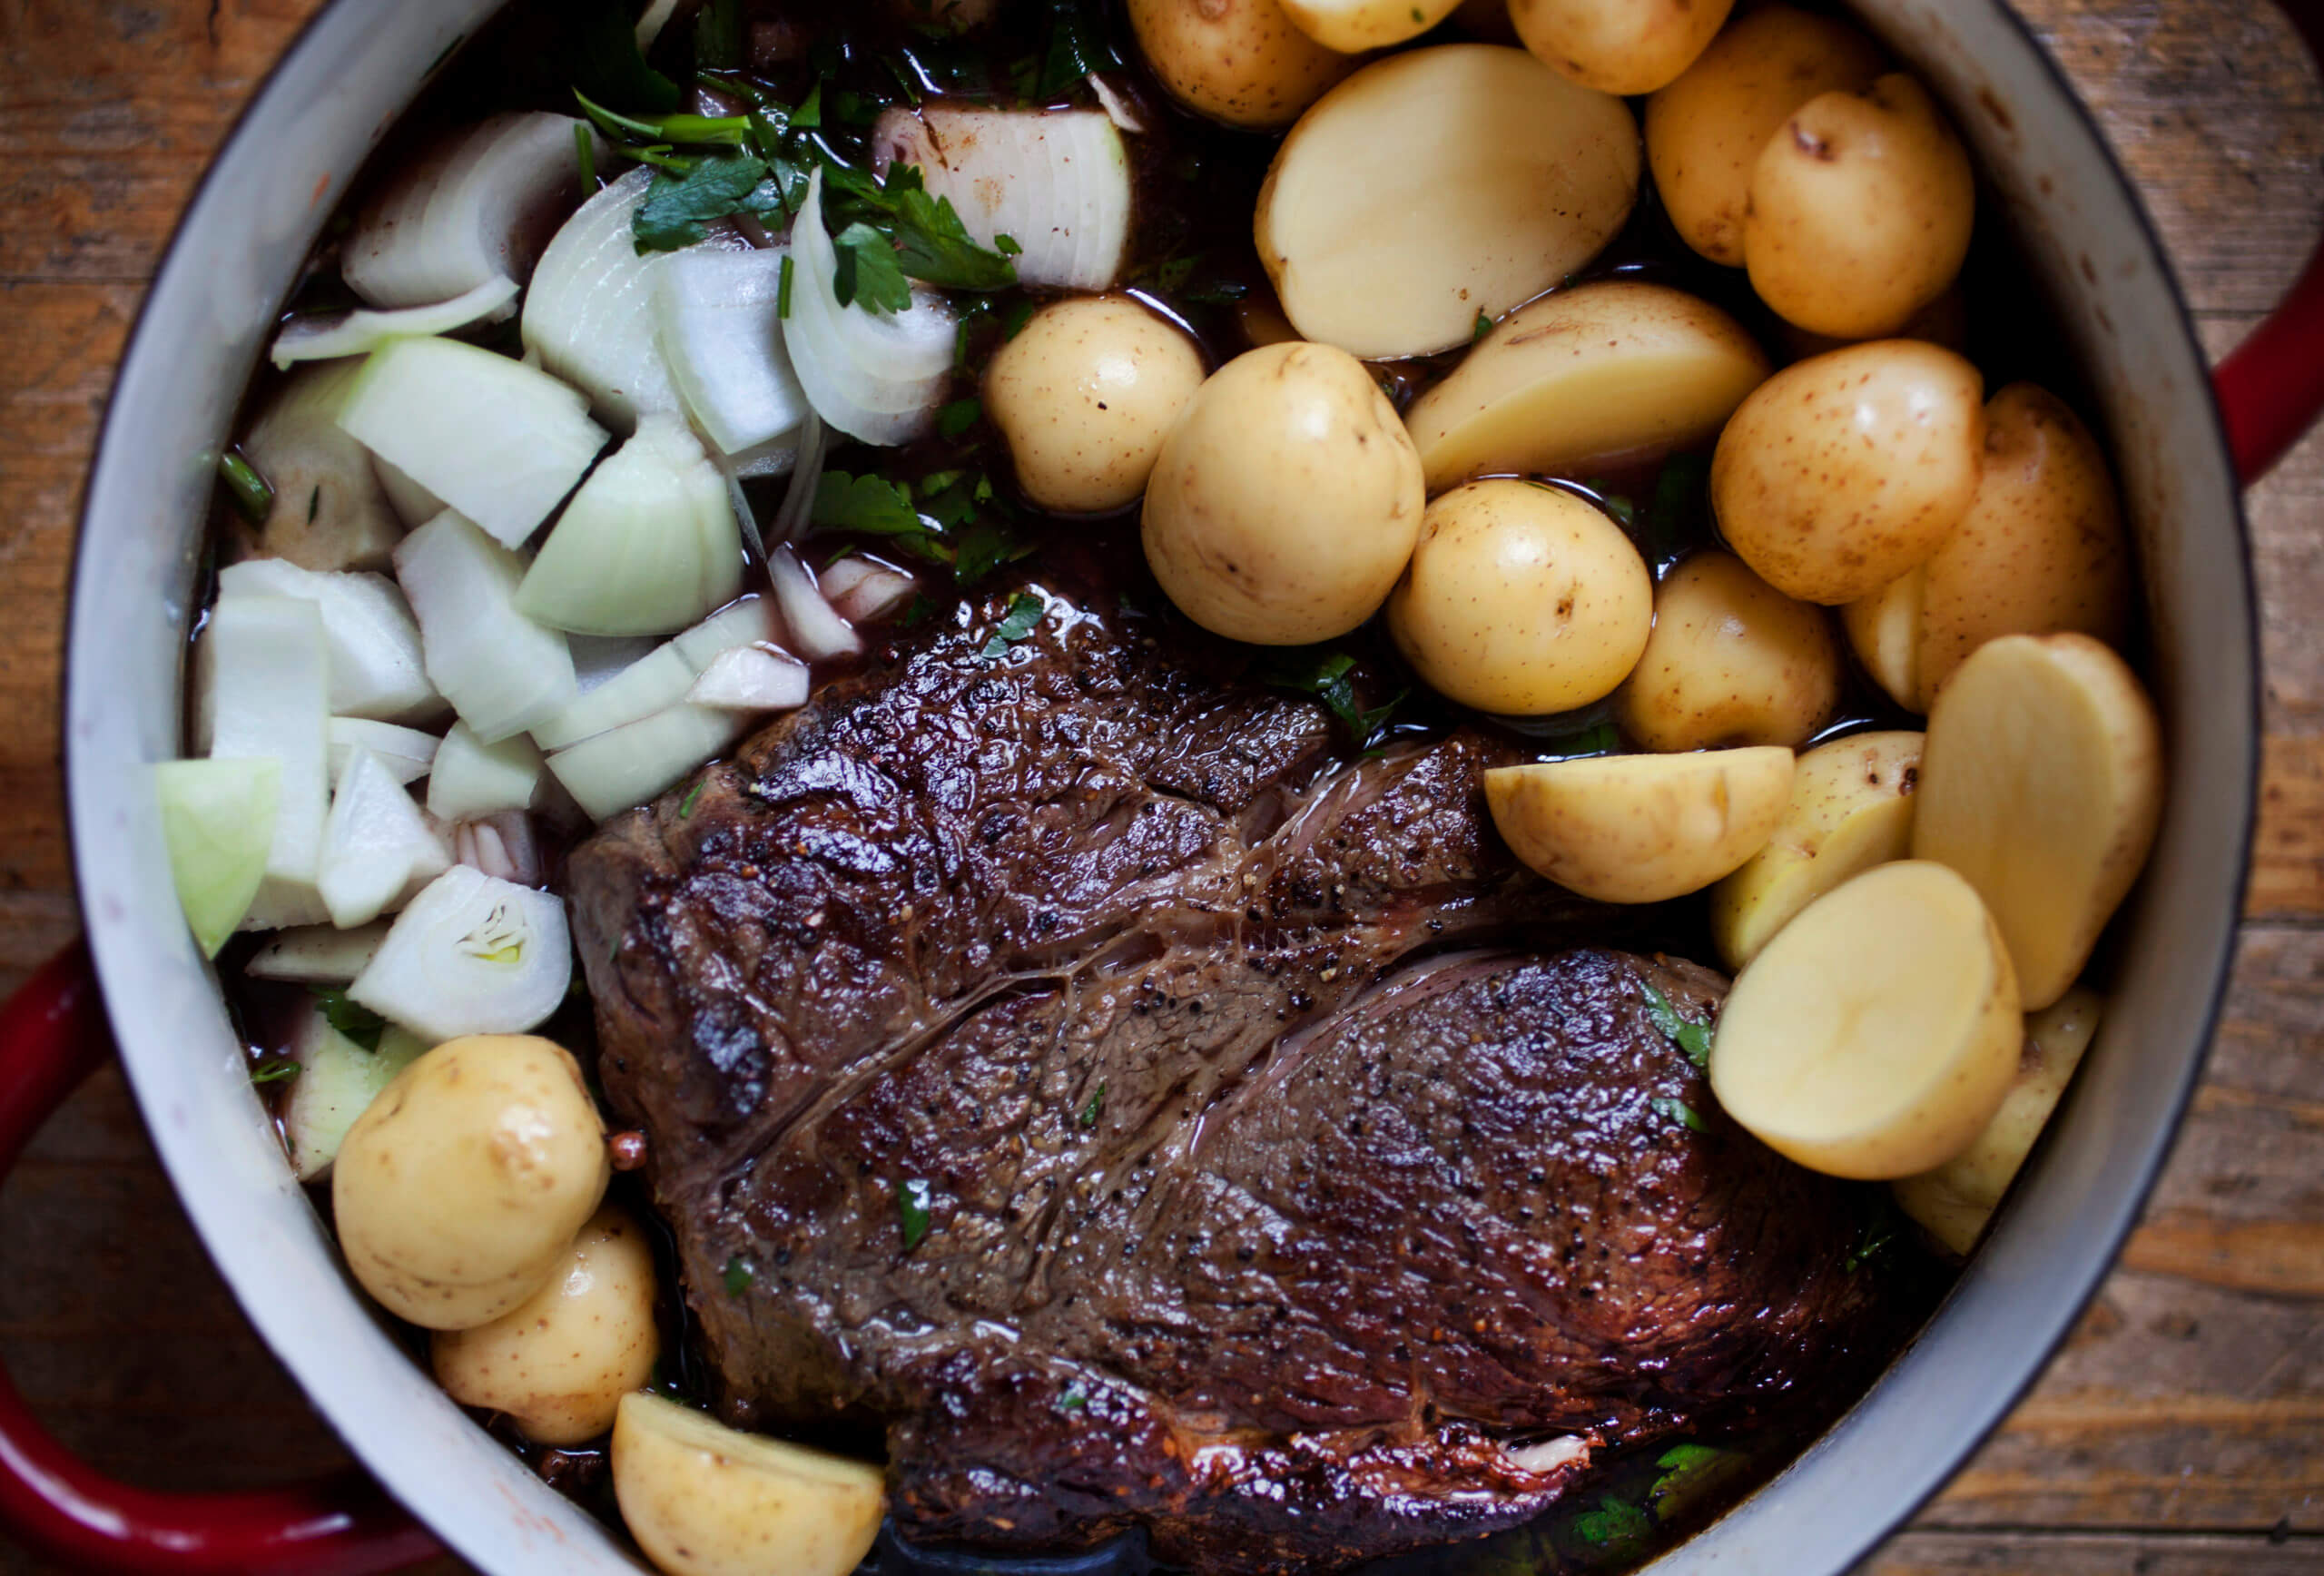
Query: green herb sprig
[{"x": 1329, "y": 678}]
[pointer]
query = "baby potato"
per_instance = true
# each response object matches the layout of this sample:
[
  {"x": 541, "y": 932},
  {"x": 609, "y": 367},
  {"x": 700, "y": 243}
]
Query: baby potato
[
  {"x": 1944, "y": 322},
  {"x": 1618, "y": 46},
  {"x": 1237, "y": 61},
  {"x": 1731, "y": 661},
  {"x": 458, "y": 1189},
  {"x": 1884, "y": 631},
  {"x": 1955, "y": 1200},
  {"x": 1437, "y": 186},
  {"x": 705, "y": 1499},
  {"x": 1705, "y": 131},
  {"x": 2042, "y": 547},
  {"x": 1839, "y": 474},
  {"x": 1521, "y": 600},
  {"x": 1874, "y": 1035},
  {"x": 1642, "y": 829},
  {"x": 1286, "y": 501},
  {"x": 559, "y": 1363},
  {"x": 1353, "y": 27},
  {"x": 1851, "y": 808},
  {"x": 2042, "y": 786},
  {"x": 1616, "y": 370},
  {"x": 1084, "y": 394},
  {"x": 1860, "y": 210}
]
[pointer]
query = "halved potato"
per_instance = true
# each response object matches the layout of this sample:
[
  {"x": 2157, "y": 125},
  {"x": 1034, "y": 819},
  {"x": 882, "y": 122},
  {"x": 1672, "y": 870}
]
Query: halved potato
[
  {"x": 1353, "y": 27},
  {"x": 1851, "y": 808},
  {"x": 1884, "y": 629},
  {"x": 2043, "y": 785},
  {"x": 1615, "y": 370},
  {"x": 705, "y": 1500},
  {"x": 1956, "y": 1199},
  {"x": 1642, "y": 829},
  {"x": 1875, "y": 1035},
  {"x": 1437, "y": 186},
  {"x": 1237, "y": 61}
]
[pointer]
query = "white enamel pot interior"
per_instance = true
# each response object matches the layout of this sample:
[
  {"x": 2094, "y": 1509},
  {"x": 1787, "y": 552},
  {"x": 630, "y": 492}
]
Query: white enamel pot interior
[{"x": 210, "y": 311}]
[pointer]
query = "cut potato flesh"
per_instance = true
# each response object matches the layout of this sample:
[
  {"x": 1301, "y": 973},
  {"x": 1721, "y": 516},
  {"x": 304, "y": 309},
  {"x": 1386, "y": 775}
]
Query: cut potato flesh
[
  {"x": 1641, "y": 829},
  {"x": 705, "y": 1500},
  {"x": 1353, "y": 26},
  {"x": 1613, "y": 370},
  {"x": 1955, "y": 1200},
  {"x": 1884, "y": 629},
  {"x": 1875, "y": 1036},
  {"x": 1438, "y": 186},
  {"x": 2043, "y": 785},
  {"x": 1851, "y": 809}
]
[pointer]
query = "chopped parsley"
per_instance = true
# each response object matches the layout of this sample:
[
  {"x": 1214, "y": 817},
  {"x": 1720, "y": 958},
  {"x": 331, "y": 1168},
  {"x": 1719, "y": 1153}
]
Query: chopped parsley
[
  {"x": 1484, "y": 327},
  {"x": 951, "y": 518},
  {"x": 585, "y": 149},
  {"x": 912, "y": 1211},
  {"x": 1679, "y": 1111},
  {"x": 1327, "y": 676},
  {"x": 958, "y": 417},
  {"x": 931, "y": 243},
  {"x": 1689, "y": 1472},
  {"x": 680, "y": 207},
  {"x": 871, "y": 506},
  {"x": 274, "y": 1073},
  {"x": 1096, "y": 1108},
  {"x": 1614, "y": 1524},
  {"x": 1876, "y": 1237},
  {"x": 252, "y": 494},
  {"x": 737, "y": 1275},
  {"x": 1615, "y": 504},
  {"x": 1599, "y": 740},
  {"x": 687, "y": 804},
  {"x": 1024, "y": 616},
  {"x": 1077, "y": 46},
  {"x": 783, "y": 291},
  {"x": 1688, "y": 1035},
  {"x": 356, "y": 1022},
  {"x": 1075, "y": 1399}
]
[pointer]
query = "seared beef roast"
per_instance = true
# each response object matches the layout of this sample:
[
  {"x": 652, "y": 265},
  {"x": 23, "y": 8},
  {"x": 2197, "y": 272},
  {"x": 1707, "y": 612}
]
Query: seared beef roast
[{"x": 1053, "y": 1055}]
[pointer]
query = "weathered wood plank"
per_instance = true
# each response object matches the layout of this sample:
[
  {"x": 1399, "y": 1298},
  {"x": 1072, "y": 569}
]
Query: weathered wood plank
[{"x": 1929, "y": 1553}]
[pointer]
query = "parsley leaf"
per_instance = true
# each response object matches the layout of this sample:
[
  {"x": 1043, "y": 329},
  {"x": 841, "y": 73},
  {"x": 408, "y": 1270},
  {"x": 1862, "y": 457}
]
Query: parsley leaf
[
  {"x": 1328, "y": 678},
  {"x": 1025, "y": 614},
  {"x": 1096, "y": 1106},
  {"x": 607, "y": 62},
  {"x": 274, "y": 1073},
  {"x": 870, "y": 504},
  {"x": 358, "y": 1023},
  {"x": 1613, "y": 1524},
  {"x": 912, "y": 1211},
  {"x": 1484, "y": 327},
  {"x": 737, "y": 1275},
  {"x": 1689, "y": 1473},
  {"x": 1679, "y": 1111},
  {"x": 869, "y": 270},
  {"x": 686, "y": 805},
  {"x": 1686, "y": 1033},
  {"x": 931, "y": 244},
  {"x": 985, "y": 544},
  {"x": 252, "y": 494},
  {"x": 958, "y": 417},
  {"x": 1077, "y": 46},
  {"x": 678, "y": 209},
  {"x": 1075, "y": 1399}
]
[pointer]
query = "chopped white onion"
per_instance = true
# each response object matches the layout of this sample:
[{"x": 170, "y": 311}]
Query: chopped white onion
[
  {"x": 317, "y": 954},
  {"x": 502, "y": 672},
  {"x": 471, "y": 955},
  {"x": 375, "y": 670},
  {"x": 723, "y": 343},
  {"x": 327, "y": 335},
  {"x": 590, "y": 314},
  {"x": 652, "y": 20},
  {"x": 413, "y": 504},
  {"x": 269, "y": 701},
  {"x": 752, "y": 678},
  {"x": 817, "y": 633},
  {"x": 477, "y": 207},
  {"x": 654, "y": 683},
  {"x": 378, "y": 849},
  {"x": 875, "y": 376},
  {"x": 1057, "y": 182},
  {"x": 799, "y": 500},
  {"x": 330, "y": 510},
  {"x": 337, "y": 1080},
  {"x": 494, "y": 439},
  {"x": 406, "y": 753},
  {"x": 776, "y": 457},
  {"x": 648, "y": 545},
  {"x": 218, "y": 824},
  {"x": 472, "y": 778},
  {"x": 751, "y": 621},
  {"x": 1117, "y": 105},
  {"x": 864, "y": 590},
  {"x": 503, "y": 846},
  {"x": 619, "y": 769}
]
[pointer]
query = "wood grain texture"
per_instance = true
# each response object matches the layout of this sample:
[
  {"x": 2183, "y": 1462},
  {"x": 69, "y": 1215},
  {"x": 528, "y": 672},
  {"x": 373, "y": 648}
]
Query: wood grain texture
[{"x": 2181, "y": 1432}]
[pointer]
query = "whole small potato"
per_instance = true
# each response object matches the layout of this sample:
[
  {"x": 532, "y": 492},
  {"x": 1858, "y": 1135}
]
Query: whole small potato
[
  {"x": 1618, "y": 46},
  {"x": 705, "y": 1499},
  {"x": 1286, "y": 499},
  {"x": 1731, "y": 661},
  {"x": 1860, "y": 211},
  {"x": 1839, "y": 474},
  {"x": 1353, "y": 27},
  {"x": 459, "y": 1190},
  {"x": 2041, "y": 549},
  {"x": 1084, "y": 394},
  {"x": 1704, "y": 133},
  {"x": 1641, "y": 829},
  {"x": 1521, "y": 600},
  {"x": 559, "y": 1363},
  {"x": 1237, "y": 61}
]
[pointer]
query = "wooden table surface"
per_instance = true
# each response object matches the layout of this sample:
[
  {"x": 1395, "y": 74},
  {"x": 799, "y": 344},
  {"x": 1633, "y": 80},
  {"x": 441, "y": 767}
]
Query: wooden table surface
[{"x": 2180, "y": 1431}]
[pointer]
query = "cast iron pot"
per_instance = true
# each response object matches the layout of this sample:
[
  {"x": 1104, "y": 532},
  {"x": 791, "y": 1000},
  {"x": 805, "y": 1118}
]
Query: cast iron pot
[{"x": 2184, "y": 448}]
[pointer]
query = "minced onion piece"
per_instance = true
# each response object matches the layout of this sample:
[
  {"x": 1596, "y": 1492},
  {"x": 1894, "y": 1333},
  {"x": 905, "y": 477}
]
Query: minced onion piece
[
  {"x": 475, "y": 208},
  {"x": 326, "y": 337},
  {"x": 317, "y": 954},
  {"x": 752, "y": 678},
  {"x": 590, "y": 314},
  {"x": 270, "y": 687},
  {"x": 500, "y": 441},
  {"x": 625, "y": 768},
  {"x": 876, "y": 376},
  {"x": 471, "y": 954},
  {"x": 376, "y": 669},
  {"x": 862, "y": 590},
  {"x": 377, "y": 848},
  {"x": 406, "y": 753},
  {"x": 502, "y": 672},
  {"x": 1057, "y": 182},
  {"x": 723, "y": 344},
  {"x": 413, "y": 504},
  {"x": 337, "y": 1080},
  {"x": 503, "y": 846},
  {"x": 473, "y": 778},
  {"x": 817, "y": 633},
  {"x": 1117, "y": 107},
  {"x": 647, "y": 545}
]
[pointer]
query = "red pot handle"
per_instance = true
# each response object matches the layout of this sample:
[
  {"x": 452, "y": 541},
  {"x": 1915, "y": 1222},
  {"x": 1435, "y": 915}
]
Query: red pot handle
[
  {"x": 2271, "y": 387},
  {"x": 52, "y": 1035}
]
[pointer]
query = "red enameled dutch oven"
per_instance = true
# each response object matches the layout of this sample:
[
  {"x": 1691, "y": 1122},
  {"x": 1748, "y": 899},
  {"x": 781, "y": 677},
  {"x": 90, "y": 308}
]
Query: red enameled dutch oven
[{"x": 2186, "y": 443}]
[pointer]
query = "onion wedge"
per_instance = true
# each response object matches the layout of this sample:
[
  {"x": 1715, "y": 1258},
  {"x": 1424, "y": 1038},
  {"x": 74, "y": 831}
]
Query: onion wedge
[
  {"x": 378, "y": 849},
  {"x": 502, "y": 672},
  {"x": 362, "y": 331},
  {"x": 876, "y": 377},
  {"x": 752, "y": 678},
  {"x": 817, "y": 633},
  {"x": 724, "y": 342},
  {"x": 471, "y": 955},
  {"x": 478, "y": 207},
  {"x": 589, "y": 315},
  {"x": 1057, "y": 183}
]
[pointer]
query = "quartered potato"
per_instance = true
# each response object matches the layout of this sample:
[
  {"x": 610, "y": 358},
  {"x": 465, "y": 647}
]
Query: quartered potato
[
  {"x": 1860, "y": 211},
  {"x": 1851, "y": 808},
  {"x": 1705, "y": 131},
  {"x": 1875, "y": 1035},
  {"x": 1521, "y": 600},
  {"x": 1616, "y": 370},
  {"x": 1884, "y": 631},
  {"x": 1840, "y": 474},
  {"x": 1955, "y": 1200},
  {"x": 1732, "y": 661},
  {"x": 2042, "y": 786},
  {"x": 1084, "y": 394},
  {"x": 705, "y": 1499},
  {"x": 1437, "y": 186},
  {"x": 1639, "y": 829},
  {"x": 1237, "y": 61},
  {"x": 1353, "y": 27},
  {"x": 1620, "y": 46}
]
